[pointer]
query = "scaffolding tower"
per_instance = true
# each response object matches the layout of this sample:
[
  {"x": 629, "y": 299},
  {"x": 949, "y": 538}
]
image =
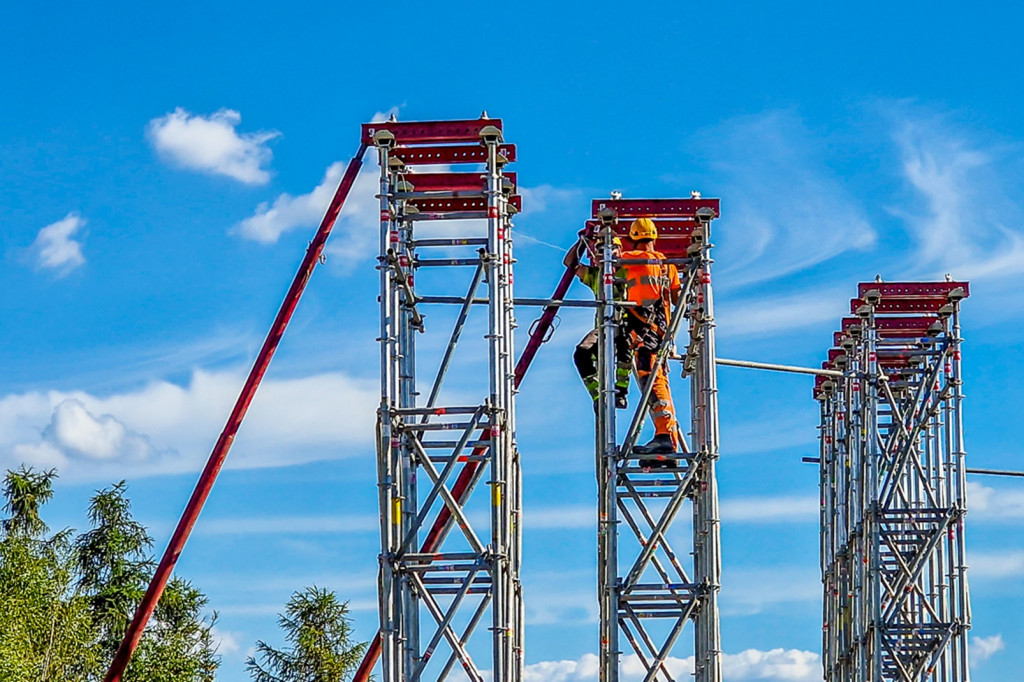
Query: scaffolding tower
[
  {"x": 445, "y": 592},
  {"x": 646, "y": 589},
  {"x": 893, "y": 490}
]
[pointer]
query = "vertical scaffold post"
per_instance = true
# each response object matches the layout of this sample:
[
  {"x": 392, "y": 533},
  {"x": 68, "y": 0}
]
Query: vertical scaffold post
[
  {"x": 432, "y": 600},
  {"x": 896, "y": 605},
  {"x": 607, "y": 454},
  {"x": 707, "y": 532},
  {"x": 646, "y": 593}
]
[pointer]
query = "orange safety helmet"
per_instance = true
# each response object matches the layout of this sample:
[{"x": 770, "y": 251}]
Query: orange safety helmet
[{"x": 643, "y": 228}]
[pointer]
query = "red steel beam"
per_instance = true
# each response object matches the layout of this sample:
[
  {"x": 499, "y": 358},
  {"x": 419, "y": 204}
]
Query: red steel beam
[
  {"x": 452, "y": 182},
  {"x": 655, "y": 208},
  {"x": 227, "y": 436},
  {"x": 912, "y": 289},
  {"x": 431, "y": 132},
  {"x": 538, "y": 336},
  {"x": 895, "y": 326},
  {"x": 436, "y": 155},
  {"x": 903, "y": 305},
  {"x": 459, "y": 204}
]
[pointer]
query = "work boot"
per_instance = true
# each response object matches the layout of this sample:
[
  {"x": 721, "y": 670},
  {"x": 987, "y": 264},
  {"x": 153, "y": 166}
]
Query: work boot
[
  {"x": 661, "y": 444},
  {"x": 659, "y": 462},
  {"x": 621, "y": 402}
]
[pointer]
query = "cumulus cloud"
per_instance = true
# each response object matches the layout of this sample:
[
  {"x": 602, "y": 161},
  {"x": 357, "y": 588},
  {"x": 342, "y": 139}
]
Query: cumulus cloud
[
  {"x": 212, "y": 144},
  {"x": 74, "y": 429},
  {"x": 776, "y": 665},
  {"x": 358, "y": 222},
  {"x": 983, "y": 648},
  {"x": 55, "y": 247},
  {"x": 166, "y": 428},
  {"x": 360, "y": 215}
]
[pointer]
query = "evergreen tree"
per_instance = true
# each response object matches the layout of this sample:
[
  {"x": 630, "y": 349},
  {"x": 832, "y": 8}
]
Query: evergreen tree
[
  {"x": 319, "y": 631},
  {"x": 45, "y": 626},
  {"x": 65, "y": 603},
  {"x": 114, "y": 567}
]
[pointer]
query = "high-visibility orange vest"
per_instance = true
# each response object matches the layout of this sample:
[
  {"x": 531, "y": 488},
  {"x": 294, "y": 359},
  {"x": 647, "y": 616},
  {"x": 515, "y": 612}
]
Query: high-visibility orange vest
[{"x": 648, "y": 284}]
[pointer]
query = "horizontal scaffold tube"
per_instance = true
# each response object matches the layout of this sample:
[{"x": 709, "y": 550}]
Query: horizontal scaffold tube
[{"x": 748, "y": 364}]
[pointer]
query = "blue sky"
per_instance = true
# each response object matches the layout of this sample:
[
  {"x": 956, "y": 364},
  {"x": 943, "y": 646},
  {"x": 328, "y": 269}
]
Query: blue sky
[{"x": 159, "y": 169}]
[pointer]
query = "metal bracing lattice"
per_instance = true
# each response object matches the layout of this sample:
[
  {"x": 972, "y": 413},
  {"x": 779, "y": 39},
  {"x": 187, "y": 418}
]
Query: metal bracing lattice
[
  {"x": 647, "y": 589},
  {"x": 447, "y": 598},
  {"x": 893, "y": 489}
]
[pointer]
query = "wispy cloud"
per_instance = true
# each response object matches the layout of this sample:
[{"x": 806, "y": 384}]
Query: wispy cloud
[
  {"x": 56, "y": 247},
  {"x": 213, "y": 145},
  {"x": 996, "y": 505},
  {"x": 754, "y": 590},
  {"x": 996, "y": 564},
  {"x": 964, "y": 218},
  {"x": 787, "y": 211},
  {"x": 784, "y": 509}
]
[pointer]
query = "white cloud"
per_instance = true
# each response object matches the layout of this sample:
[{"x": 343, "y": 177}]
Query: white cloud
[
  {"x": 570, "y": 517},
  {"x": 354, "y": 238},
  {"x": 749, "y": 591},
  {"x": 166, "y": 428},
  {"x": 780, "y": 313},
  {"x": 212, "y": 144},
  {"x": 983, "y": 648},
  {"x": 792, "y": 508},
  {"x": 966, "y": 222},
  {"x": 792, "y": 665},
  {"x": 73, "y": 429},
  {"x": 1004, "y": 505},
  {"x": 995, "y": 564},
  {"x": 545, "y": 197},
  {"x": 55, "y": 247},
  {"x": 787, "y": 211},
  {"x": 291, "y": 525},
  {"x": 226, "y": 642}
]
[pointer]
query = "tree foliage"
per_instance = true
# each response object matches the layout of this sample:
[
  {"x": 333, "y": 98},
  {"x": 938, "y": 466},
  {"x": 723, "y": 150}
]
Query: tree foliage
[
  {"x": 318, "y": 630},
  {"x": 65, "y": 601}
]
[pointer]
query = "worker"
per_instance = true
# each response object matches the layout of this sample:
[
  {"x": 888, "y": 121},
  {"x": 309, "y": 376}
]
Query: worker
[
  {"x": 653, "y": 287},
  {"x": 585, "y": 356}
]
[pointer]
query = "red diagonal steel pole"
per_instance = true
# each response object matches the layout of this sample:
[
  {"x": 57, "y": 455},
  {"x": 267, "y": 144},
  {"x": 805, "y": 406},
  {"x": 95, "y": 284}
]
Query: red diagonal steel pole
[
  {"x": 227, "y": 436},
  {"x": 466, "y": 476}
]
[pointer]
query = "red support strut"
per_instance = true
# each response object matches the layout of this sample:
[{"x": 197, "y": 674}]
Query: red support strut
[{"x": 227, "y": 436}]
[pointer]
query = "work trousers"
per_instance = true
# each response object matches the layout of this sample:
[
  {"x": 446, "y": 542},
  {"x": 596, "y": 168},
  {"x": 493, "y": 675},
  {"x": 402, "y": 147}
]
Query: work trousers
[
  {"x": 646, "y": 328},
  {"x": 585, "y": 359}
]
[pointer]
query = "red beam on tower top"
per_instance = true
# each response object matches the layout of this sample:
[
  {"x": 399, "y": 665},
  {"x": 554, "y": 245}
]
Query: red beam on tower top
[
  {"x": 655, "y": 208},
  {"x": 431, "y": 132}
]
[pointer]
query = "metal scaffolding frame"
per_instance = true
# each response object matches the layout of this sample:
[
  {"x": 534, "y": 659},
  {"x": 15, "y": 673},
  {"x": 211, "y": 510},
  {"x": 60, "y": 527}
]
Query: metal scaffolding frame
[
  {"x": 646, "y": 591},
  {"x": 893, "y": 489},
  {"x": 436, "y": 588}
]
